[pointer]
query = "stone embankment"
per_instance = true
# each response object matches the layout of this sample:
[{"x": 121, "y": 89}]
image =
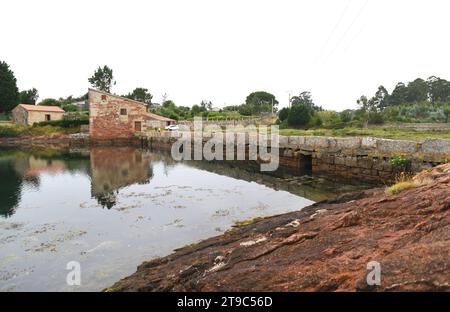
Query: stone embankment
[
  {"x": 324, "y": 247},
  {"x": 364, "y": 158}
]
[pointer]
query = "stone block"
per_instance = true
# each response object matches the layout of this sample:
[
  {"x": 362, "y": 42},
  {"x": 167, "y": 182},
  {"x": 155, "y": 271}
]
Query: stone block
[
  {"x": 348, "y": 143},
  {"x": 369, "y": 143},
  {"x": 436, "y": 146},
  {"x": 393, "y": 147},
  {"x": 296, "y": 142}
]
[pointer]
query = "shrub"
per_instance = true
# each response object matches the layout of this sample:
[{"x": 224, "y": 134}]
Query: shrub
[
  {"x": 315, "y": 121},
  {"x": 11, "y": 130},
  {"x": 400, "y": 163},
  {"x": 375, "y": 118},
  {"x": 299, "y": 115},
  {"x": 50, "y": 102},
  {"x": 70, "y": 108},
  {"x": 63, "y": 123},
  {"x": 283, "y": 114}
]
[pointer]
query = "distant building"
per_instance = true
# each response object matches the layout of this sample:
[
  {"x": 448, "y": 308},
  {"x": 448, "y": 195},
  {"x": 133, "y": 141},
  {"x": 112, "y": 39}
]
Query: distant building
[
  {"x": 81, "y": 105},
  {"x": 157, "y": 121},
  {"x": 115, "y": 117},
  {"x": 26, "y": 114}
]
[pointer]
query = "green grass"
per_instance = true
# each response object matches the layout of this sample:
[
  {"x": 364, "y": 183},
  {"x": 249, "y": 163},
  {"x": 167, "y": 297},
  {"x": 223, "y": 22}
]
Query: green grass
[
  {"x": 399, "y": 134},
  {"x": 11, "y": 130},
  {"x": 406, "y": 184}
]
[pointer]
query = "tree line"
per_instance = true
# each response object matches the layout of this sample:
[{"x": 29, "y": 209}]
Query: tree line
[{"x": 419, "y": 100}]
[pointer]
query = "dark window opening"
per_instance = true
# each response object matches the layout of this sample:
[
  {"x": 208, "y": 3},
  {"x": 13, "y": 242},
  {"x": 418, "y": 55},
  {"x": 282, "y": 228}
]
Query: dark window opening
[
  {"x": 103, "y": 97},
  {"x": 305, "y": 164},
  {"x": 123, "y": 111},
  {"x": 47, "y": 117}
]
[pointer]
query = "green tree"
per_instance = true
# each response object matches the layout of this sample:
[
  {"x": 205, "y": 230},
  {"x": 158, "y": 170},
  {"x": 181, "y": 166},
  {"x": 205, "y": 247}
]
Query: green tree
[
  {"x": 70, "y": 108},
  {"x": 283, "y": 114},
  {"x": 417, "y": 91},
  {"x": 346, "y": 116},
  {"x": 102, "y": 79},
  {"x": 447, "y": 112},
  {"x": 197, "y": 110},
  {"x": 50, "y": 102},
  {"x": 381, "y": 98},
  {"x": 9, "y": 94},
  {"x": 246, "y": 110},
  {"x": 399, "y": 94},
  {"x": 206, "y": 105},
  {"x": 29, "y": 96},
  {"x": 305, "y": 98},
  {"x": 261, "y": 102},
  {"x": 141, "y": 95},
  {"x": 438, "y": 89},
  {"x": 365, "y": 107},
  {"x": 299, "y": 115}
]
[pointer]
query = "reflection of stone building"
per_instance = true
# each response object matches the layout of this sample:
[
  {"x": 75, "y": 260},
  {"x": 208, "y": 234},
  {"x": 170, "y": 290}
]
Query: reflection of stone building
[
  {"x": 115, "y": 168},
  {"x": 18, "y": 168}
]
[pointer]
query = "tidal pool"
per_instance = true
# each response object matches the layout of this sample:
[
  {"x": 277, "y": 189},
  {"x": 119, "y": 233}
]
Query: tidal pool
[{"x": 110, "y": 209}]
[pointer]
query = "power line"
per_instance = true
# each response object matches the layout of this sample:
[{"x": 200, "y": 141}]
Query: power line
[
  {"x": 343, "y": 12},
  {"x": 348, "y": 28}
]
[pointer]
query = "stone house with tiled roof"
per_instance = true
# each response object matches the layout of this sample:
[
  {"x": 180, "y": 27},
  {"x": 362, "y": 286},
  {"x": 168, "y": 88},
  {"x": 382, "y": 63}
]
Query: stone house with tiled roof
[
  {"x": 115, "y": 117},
  {"x": 26, "y": 114}
]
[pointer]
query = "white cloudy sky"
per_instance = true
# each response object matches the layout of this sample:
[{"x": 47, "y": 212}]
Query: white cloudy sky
[{"x": 223, "y": 50}]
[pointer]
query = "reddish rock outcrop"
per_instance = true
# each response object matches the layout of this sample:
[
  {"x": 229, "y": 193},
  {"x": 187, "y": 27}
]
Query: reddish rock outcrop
[{"x": 324, "y": 247}]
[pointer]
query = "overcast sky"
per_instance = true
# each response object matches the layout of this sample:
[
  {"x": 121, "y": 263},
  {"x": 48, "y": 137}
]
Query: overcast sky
[{"x": 223, "y": 50}]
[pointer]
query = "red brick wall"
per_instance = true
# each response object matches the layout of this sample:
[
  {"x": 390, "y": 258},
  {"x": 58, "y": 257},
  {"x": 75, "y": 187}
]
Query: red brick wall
[{"x": 105, "y": 120}]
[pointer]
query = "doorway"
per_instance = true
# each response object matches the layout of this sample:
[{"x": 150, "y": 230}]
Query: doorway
[{"x": 305, "y": 164}]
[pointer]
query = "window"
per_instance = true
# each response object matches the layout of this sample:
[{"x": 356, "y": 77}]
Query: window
[
  {"x": 137, "y": 126},
  {"x": 123, "y": 111},
  {"x": 103, "y": 97},
  {"x": 47, "y": 117}
]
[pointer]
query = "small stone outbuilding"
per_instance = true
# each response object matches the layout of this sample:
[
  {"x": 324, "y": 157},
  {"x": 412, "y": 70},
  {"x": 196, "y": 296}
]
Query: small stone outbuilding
[
  {"x": 26, "y": 114},
  {"x": 159, "y": 122}
]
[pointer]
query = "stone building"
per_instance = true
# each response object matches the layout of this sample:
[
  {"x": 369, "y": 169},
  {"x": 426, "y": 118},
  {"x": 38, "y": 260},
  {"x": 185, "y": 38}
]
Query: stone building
[
  {"x": 25, "y": 114},
  {"x": 159, "y": 122},
  {"x": 115, "y": 117}
]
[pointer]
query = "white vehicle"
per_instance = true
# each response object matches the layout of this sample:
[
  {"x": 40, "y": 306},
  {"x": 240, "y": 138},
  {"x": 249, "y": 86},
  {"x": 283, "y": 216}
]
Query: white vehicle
[{"x": 172, "y": 127}]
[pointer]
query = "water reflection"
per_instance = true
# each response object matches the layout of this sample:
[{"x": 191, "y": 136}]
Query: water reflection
[
  {"x": 111, "y": 169},
  {"x": 51, "y": 206},
  {"x": 10, "y": 184},
  {"x": 22, "y": 170}
]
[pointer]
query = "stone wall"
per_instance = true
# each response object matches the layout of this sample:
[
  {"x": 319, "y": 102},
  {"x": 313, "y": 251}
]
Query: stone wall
[
  {"x": 35, "y": 117},
  {"x": 354, "y": 157},
  {"x": 22, "y": 116},
  {"x": 106, "y": 122}
]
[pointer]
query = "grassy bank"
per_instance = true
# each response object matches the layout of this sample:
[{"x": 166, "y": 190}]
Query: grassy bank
[
  {"x": 9, "y": 130},
  {"x": 398, "y": 134}
]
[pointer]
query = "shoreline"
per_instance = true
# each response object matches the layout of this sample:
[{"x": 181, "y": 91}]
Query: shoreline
[{"x": 323, "y": 247}]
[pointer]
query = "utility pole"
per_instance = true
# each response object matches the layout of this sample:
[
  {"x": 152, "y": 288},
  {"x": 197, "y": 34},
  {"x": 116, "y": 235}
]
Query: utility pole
[{"x": 289, "y": 98}]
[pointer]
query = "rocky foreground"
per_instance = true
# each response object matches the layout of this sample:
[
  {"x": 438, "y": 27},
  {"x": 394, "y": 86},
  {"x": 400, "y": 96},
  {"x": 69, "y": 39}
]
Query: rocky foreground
[{"x": 324, "y": 247}]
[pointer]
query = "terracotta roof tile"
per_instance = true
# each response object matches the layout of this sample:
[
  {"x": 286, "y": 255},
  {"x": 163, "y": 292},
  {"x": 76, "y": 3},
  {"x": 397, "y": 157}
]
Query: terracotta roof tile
[
  {"x": 41, "y": 108},
  {"x": 160, "y": 118}
]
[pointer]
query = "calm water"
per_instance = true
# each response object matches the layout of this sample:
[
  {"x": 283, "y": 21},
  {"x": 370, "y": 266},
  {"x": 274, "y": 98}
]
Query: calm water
[{"x": 110, "y": 209}]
